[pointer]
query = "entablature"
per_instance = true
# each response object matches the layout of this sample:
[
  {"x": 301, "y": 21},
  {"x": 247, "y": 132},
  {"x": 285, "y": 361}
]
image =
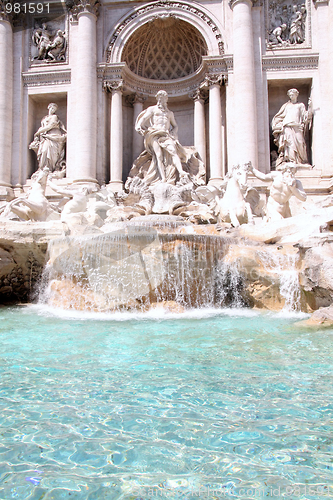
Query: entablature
[{"x": 110, "y": 72}]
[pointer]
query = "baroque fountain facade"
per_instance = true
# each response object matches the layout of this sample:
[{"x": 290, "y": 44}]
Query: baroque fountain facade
[{"x": 171, "y": 153}]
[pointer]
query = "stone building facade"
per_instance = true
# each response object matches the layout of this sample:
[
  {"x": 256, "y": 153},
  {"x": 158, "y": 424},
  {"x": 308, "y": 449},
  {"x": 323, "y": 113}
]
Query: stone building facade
[{"x": 226, "y": 65}]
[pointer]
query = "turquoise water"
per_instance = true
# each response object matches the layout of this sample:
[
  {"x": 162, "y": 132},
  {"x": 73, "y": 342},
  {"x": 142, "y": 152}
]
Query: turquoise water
[{"x": 211, "y": 405}]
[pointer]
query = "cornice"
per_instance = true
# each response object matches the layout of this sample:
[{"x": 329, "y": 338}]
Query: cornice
[
  {"x": 218, "y": 64},
  {"x": 290, "y": 62},
  {"x": 41, "y": 78}
]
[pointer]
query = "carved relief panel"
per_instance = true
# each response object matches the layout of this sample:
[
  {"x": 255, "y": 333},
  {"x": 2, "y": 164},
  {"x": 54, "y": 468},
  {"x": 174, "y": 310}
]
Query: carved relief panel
[
  {"x": 49, "y": 41},
  {"x": 288, "y": 24}
]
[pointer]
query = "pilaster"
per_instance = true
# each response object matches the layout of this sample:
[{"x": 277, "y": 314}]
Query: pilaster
[{"x": 6, "y": 102}]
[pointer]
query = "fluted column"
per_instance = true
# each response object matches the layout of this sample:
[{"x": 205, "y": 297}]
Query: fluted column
[
  {"x": 199, "y": 124},
  {"x": 6, "y": 103},
  {"x": 245, "y": 110},
  {"x": 116, "y": 134},
  {"x": 137, "y": 145},
  {"x": 215, "y": 129},
  {"x": 85, "y": 78}
]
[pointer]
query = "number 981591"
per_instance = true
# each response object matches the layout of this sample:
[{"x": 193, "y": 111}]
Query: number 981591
[{"x": 27, "y": 8}]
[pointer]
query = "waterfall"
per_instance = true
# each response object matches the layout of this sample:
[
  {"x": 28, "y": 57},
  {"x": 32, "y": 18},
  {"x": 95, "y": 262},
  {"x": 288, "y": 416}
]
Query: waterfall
[
  {"x": 135, "y": 266},
  {"x": 146, "y": 263},
  {"x": 282, "y": 267},
  {"x": 230, "y": 285}
]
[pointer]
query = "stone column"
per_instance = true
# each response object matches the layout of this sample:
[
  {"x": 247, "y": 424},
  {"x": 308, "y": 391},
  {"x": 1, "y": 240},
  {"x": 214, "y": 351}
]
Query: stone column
[
  {"x": 245, "y": 110},
  {"x": 85, "y": 78},
  {"x": 215, "y": 129},
  {"x": 199, "y": 124},
  {"x": 138, "y": 140},
  {"x": 6, "y": 104},
  {"x": 116, "y": 134}
]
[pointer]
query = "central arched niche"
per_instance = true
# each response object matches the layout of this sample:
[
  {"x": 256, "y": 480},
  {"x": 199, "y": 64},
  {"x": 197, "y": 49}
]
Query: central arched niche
[{"x": 165, "y": 48}]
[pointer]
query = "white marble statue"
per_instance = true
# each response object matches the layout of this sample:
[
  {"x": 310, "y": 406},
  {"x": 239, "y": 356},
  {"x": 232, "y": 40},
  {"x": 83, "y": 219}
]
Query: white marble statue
[
  {"x": 82, "y": 205},
  {"x": 33, "y": 205},
  {"x": 49, "y": 141},
  {"x": 288, "y": 127},
  {"x": 284, "y": 186},
  {"x": 233, "y": 207},
  {"x": 164, "y": 158}
]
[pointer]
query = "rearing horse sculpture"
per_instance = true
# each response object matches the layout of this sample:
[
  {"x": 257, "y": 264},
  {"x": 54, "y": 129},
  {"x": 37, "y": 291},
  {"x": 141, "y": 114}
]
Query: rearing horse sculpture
[
  {"x": 34, "y": 204},
  {"x": 233, "y": 207}
]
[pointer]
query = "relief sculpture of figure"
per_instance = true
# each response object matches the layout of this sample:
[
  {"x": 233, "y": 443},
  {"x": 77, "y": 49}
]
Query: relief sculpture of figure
[
  {"x": 41, "y": 38},
  {"x": 56, "y": 50},
  {"x": 288, "y": 127},
  {"x": 51, "y": 48},
  {"x": 297, "y": 25},
  {"x": 164, "y": 158},
  {"x": 275, "y": 37},
  {"x": 284, "y": 186},
  {"x": 49, "y": 141}
]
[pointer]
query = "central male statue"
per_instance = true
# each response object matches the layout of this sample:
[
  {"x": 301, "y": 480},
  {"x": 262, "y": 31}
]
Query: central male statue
[{"x": 164, "y": 157}]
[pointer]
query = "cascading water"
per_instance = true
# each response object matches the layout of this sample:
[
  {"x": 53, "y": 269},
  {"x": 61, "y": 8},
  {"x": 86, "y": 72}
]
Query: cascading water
[
  {"x": 283, "y": 265},
  {"x": 135, "y": 266},
  {"x": 142, "y": 263},
  {"x": 230, "y": 285}
]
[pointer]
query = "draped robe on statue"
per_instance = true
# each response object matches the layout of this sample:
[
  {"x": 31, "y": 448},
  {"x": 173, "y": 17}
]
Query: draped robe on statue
[
  {"x": 146, "y": 168},
  {"x": 50, "y": 145},
  {"x": 288, "y": 127}
]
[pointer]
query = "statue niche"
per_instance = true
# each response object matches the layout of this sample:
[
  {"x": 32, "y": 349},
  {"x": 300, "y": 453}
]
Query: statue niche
[
  {"x": 164, "y": 158},
  {"x": 289, "y": 126},
  {"x": 168, "y": 170},
  {"x": 49, "y": 141}
]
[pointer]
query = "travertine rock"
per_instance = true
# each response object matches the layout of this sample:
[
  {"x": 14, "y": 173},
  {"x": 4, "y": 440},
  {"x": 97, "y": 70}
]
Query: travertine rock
[
  {"x": 23, "y": 250},
  {"x": 323, "y": 317}
]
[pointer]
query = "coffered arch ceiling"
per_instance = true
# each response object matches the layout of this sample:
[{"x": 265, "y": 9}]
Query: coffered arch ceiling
[
  {"x": 197, "y": 22},
  {"x": 165, "y": 48}
]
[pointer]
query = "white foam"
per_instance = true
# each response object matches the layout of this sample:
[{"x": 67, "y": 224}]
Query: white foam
[
  {"x": 285, "y": 314},
  {"x": 159, "y": 314}
]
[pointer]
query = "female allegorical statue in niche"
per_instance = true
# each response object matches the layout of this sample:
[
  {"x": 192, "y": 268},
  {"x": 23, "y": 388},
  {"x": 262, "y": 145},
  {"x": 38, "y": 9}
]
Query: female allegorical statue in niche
[
  {"x": 49, "y": 141},
  {"x": 288, "y": 127}
]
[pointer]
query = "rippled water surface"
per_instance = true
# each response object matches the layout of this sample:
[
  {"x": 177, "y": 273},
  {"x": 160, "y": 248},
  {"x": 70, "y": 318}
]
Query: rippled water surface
[{"x": 211, "y": 405}]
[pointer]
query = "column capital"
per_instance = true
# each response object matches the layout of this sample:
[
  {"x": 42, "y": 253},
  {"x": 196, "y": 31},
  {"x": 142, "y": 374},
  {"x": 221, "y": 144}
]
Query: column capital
[
  {"x": 4, "y": 15},
  {"x": 232, "y": 3},
  {"x": 200, "y": 94},
  {"x": 113, "y": 86},
  {"x": 135, "y": 98},
  {"x": 213, "y": 79},
  {"x": 10, "y": 16},
  {"x": 76, "y": 7},
  {"x": 138, "y": 97}
]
